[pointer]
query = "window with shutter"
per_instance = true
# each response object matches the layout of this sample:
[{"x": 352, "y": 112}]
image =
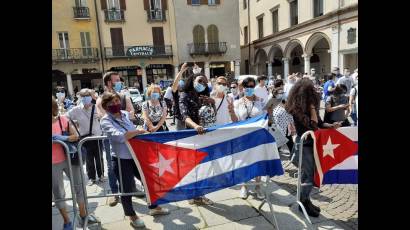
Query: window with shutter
[
  {"x": 293, "y": 13},
  {"x": 213, "y": 40},
  {"x": 86, "y": 44},
  {"x": 199, "y": 39},
  {"x": 260, "y": 27},
  {"x": 317, "y": 8},
  {"x": 64, "y": 45},
  {"x": 275, "y": 22}
]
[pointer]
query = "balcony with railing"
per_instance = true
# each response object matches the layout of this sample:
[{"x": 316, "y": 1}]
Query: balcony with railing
[
  {"x": 156, "y": 15},
  {"x": 114, "y": 15},
  {"x": 145, "y": 51},
  {"x": 207, "y": 48},
  {"x": 75, "y": 54},
  {"x": 81, "y": 12}
]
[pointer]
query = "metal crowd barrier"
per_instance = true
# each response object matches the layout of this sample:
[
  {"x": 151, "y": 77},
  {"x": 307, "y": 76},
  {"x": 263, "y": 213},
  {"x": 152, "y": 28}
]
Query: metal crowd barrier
[
  {"x": 302, "y": 139},
  {"x": 73, "y": 193},
  {"x": 86, "y": 197}
]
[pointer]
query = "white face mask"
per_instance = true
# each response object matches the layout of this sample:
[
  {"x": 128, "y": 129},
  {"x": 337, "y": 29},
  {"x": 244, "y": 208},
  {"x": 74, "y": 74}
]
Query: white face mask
[{"x": 221, "y": 88}]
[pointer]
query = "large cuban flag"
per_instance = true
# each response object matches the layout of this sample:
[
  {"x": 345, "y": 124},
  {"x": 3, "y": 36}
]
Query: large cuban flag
[
  {"x": 182, "y": 165},
  {"x": 335, "y": 153}
]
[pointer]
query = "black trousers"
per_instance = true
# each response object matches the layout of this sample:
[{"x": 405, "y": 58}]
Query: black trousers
[
  {"x": 128, "y": 171},
  {"x": 290, "y": 143},
  {"x": 94, "y": 160}
]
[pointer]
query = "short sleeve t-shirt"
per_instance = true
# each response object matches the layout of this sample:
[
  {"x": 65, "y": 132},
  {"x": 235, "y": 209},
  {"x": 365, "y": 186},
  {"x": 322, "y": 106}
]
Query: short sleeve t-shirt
[
  {"x": 338, "y": 115},
  {"x": 168, "y": 93},
  {"x": 245, "y": 109},
  {"x": 222, "y": 115},
  {"x": 57, "y": 153}
]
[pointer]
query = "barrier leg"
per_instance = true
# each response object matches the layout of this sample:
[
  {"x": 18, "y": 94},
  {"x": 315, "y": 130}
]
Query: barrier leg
[
  {"x": 267, "y": 200},
  {"x": 298, "y": 190}
]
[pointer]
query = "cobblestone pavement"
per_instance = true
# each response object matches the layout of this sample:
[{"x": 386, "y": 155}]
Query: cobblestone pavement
[{"x": 337, "y": 202}]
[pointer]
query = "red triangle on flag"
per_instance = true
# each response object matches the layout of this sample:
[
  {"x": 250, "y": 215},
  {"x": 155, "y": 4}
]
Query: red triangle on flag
[
  {"x": 163, "y": 166},
  {"x": 332, "y": 148}
]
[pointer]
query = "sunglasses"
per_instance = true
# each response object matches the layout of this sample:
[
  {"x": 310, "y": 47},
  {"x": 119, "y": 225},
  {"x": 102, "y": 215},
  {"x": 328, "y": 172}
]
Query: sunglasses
[
  {"x": 250, "y": 86},
  {"x": 220, "y": 83}
]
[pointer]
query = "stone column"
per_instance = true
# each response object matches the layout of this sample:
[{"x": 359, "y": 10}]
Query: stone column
[
  {"x": 307, "y": 57},
  {"x": 70, "y": 85},
  {"x": 286, "y": 67},
  {"x": 207, "y": 71},
  {"x": 269, "y": 69},
  {"x": 144, "y": 78}
]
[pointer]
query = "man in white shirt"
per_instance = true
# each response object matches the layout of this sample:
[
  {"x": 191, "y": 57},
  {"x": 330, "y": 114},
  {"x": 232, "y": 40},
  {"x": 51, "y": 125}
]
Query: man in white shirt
[
  {"x": 261, "y": 90},
  {"x": 346, "y": 80},
  {"x": 288, "y": 85},
  {"x": 222, "y": 101},
  {"x": 168, "y": 99}
]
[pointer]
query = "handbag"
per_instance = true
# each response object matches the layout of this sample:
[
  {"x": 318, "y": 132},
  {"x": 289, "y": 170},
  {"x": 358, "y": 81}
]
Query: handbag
[
  {"x": 73, "y": 146},
  {"x": 278, "y": 135}
]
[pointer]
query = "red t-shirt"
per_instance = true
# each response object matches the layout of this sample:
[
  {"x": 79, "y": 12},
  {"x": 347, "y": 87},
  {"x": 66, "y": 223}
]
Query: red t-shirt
[{"x": 58, "y": 154}]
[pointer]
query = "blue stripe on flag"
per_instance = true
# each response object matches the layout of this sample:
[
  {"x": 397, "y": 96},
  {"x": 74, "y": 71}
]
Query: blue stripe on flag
[
  {"x": 163, "y": 137},
  {"x": 239, "y": 144},
  {"x": 345, "y": 176},
  {"x": 200, "y": 188}
]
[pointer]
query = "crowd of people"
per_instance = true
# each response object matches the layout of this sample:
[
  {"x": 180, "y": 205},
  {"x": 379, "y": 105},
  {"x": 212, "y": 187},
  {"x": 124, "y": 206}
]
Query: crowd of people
[{"x": 194, "y": 102}]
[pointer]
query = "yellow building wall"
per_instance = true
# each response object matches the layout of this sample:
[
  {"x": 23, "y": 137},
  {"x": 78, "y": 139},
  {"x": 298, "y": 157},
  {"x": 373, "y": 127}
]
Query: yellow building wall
[
  {"x": 136, "y": 30},
  {"x": 63, "y": 21}
]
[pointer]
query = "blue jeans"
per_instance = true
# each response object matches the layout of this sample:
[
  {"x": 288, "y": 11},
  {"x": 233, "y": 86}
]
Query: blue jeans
[
  {"x": 354, "y": 118},
  {"x": 112, "y": 178}
]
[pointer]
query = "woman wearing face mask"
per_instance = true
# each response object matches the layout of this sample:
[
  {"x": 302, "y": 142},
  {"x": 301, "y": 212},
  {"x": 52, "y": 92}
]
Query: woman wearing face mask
[
  {"x": 247, "y": 107},
  {"x": 222, "y": 100},
  {"x": 154, "y": 110},
  {"x": 195, "y": 96},
  {"x": 119, "y": 129},
  {"x": 86, "y": 115},
  {"x": 61, "y": 125},
  {"x": 63, "y": 100},
  {"x": 303, "y": 104}
]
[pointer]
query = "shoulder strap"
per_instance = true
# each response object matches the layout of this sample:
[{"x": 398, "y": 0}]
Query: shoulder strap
[
  {"x": 79, "y": 135},
  {"x": 113, "y": 118},
  {"x": 220, "y": 103},
  {"x": 123, "y": 103},
  {"x": 91, "y": 120},
  {"x": 61, "y": 126}
]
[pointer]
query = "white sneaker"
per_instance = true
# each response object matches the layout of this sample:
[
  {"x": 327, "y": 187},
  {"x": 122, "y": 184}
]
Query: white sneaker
[
  {"x": 161, "y": 211},
  {"x": 259, "y": 194},
  {"x": 243, "y": 193},
  {"x": 138, "y": 223}
]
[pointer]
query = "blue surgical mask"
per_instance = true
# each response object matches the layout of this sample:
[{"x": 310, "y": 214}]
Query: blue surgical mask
[
  {"x": 118, "y": 86},
  {"x": 249, "y": 92},
  {"x": 199, "y": 87},
  {"x": 86, "y": 100},
  {"x": 181, "y": 83},
  {"x": 60, "y": 95},
  {"x": 155, "y": 96}
]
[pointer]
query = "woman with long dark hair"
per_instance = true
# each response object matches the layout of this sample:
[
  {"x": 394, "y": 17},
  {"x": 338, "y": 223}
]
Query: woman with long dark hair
[
  {"x": 303, "y": 104},
  {"x": 197, "y": 111}
]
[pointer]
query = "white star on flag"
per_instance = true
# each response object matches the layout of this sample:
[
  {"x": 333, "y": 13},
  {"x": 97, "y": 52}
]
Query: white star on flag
[
  {"x": 329, "y": 147},
  {"x": 163, "y": 165}
]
